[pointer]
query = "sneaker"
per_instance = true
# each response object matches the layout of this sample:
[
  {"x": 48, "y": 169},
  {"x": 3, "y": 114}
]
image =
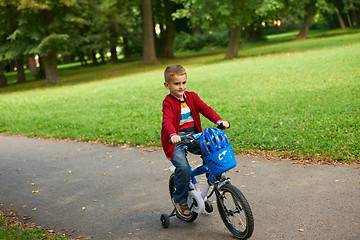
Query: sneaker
[{"x": 183, "y": 209}]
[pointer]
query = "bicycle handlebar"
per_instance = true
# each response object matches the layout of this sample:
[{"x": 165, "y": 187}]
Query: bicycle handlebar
[{"x": 220, "y": 126}]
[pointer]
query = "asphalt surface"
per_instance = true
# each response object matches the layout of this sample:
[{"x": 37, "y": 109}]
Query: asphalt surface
[{"x": 103, "y": 192}]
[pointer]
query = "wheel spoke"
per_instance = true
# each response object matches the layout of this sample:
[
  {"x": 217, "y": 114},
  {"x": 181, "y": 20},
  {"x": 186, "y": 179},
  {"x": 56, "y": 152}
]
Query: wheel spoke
[{"x": 235, "y": 211}]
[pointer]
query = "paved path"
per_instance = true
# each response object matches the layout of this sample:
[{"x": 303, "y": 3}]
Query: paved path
[{"x": 105, "y": 192}]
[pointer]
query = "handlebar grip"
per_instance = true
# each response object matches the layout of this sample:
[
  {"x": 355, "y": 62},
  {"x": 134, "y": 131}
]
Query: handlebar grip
[
  {"x": 222, "y": 127},
  {"x": 171, "y": 143}
]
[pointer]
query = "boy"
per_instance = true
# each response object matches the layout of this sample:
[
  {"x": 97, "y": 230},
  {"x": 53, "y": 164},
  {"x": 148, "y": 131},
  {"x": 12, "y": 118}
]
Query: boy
[{"x": 181, "y": 117}]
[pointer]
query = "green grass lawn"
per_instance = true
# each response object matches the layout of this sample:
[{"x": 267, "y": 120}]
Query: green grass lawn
[
  {"x": 298, "y": 99},
  {"x": 11, "y": 229}
]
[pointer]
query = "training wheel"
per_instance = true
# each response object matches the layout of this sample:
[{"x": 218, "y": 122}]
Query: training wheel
[
  {"x": 165, "y": 220},
  {"x": 196, "y": 201}
]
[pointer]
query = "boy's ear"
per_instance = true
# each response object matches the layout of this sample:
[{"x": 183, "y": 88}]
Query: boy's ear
[{"x": 166, "y": 85}]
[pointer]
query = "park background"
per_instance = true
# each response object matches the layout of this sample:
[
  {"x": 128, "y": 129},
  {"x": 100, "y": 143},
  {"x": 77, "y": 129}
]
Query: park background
[{"x": 284, "y": 73}]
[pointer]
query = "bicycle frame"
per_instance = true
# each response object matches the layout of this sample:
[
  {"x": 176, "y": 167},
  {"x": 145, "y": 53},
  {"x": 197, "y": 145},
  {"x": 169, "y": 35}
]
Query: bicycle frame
[
  {"x": 203, "y": 169},
  {"x": 232, "y": 205}
]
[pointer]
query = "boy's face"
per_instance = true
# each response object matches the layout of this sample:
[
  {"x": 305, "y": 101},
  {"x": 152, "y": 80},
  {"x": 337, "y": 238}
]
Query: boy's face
[{"x": 177, "y": 85}]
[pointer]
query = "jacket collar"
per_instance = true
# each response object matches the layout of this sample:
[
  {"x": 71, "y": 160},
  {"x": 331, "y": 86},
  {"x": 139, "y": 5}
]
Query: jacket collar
[{"x": 177, "y": 97}]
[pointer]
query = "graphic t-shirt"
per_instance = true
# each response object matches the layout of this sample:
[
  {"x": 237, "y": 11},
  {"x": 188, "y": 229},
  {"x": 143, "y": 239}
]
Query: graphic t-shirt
[{"x": 187, "y": 124}]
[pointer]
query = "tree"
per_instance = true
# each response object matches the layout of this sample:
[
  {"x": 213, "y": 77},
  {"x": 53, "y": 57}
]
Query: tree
[
  {"x": 166, "y": 28},
  {"x": 352, "y": 6},
  {"x": 3, "y": 79},
  {"x": 211, "y": 13},
  {"x": 149, "y": 54},
  {"x": 11, "y": 49},
  {"x": 116, "y": 18},
  {"x": 32, "y": 65},
  {"x": 307, "y": 20},
  {"x": 234, "y": 29},
  {"x": 235, "y": 14},
  {"x": 45, "y": 28}
]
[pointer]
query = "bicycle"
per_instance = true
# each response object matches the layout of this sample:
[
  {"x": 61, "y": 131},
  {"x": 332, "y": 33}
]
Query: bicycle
[{"x": 232, "y": 205}]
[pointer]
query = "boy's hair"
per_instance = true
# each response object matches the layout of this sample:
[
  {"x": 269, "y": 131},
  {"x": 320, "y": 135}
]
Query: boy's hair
[{"x": 173, "y": 70}]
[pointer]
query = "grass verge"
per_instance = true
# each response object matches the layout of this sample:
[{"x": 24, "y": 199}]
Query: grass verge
[{"x": 11, "y": 229}]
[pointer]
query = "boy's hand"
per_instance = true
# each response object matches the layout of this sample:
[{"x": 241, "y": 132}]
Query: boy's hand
[
  {"x": 175, "y": 139},
  {"x": 226, "y": 124}
]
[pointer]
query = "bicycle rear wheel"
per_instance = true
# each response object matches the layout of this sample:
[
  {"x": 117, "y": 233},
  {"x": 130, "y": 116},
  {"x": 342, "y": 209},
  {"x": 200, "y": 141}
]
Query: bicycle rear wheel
[
  {"x": 235, "y": 211},
  {"x": 171, "y": 190}
]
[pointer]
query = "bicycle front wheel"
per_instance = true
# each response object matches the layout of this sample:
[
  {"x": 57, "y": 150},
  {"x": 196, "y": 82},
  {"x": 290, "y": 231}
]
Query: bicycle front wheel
[{"x": 235, "y": 211}]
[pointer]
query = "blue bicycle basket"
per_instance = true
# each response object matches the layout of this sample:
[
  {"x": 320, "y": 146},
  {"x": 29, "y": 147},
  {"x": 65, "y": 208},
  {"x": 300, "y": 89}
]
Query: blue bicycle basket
[{"x": 219, "y": 154}]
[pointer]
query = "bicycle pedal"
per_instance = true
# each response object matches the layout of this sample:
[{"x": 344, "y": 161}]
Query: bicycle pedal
[{"x": 182, "y": 217}]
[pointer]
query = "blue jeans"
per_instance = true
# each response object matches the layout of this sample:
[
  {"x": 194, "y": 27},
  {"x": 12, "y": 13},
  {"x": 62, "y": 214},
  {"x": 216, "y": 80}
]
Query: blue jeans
[{"x": 182, "y": 171}]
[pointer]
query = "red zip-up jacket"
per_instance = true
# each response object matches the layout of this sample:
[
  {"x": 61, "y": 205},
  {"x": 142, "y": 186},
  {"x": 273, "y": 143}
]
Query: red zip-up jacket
[{"x": 172, "y": 113}]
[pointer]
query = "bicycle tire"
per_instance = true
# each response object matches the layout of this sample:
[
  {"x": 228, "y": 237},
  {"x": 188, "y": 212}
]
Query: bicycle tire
[
  {"x": 171, "y": 190},
  {"x": 235, "y": 211}
]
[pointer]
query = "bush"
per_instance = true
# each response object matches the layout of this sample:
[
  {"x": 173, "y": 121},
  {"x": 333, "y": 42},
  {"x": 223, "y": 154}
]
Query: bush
[{"x": 196, "y": 42}]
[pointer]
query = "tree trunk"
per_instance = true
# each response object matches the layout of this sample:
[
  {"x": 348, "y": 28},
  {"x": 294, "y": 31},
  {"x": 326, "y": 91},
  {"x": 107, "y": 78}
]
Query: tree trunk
[
  {"x": 113, "y": 52},
  {"x": 32, "y": 65},
  {"x": 234, "y": 30},
  {"x": 168, "y": 49},
  {"x": 51, "y": 71},
  {"x": 149, "y": 55},
  {"x": 341, "y": 21},
  {"x": 113, "y": 43},
  {"x": 356, "y": 14},
  {"x": 41, "y": 74},
  {"x": 234, "y": 42},
  {"x": 102, "y": 56},
  {"x": 93, "y": 56},
  {"x": 3, "y": 79},
  {"x": 127, "y": 51},
  {"x": 66, "y": 59},
  {"x": 20, "y": 70},
  {"x": 349, "y": 19},
  {"x": 81, "y": 57},
  {"x": 307, "y": 20}
]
